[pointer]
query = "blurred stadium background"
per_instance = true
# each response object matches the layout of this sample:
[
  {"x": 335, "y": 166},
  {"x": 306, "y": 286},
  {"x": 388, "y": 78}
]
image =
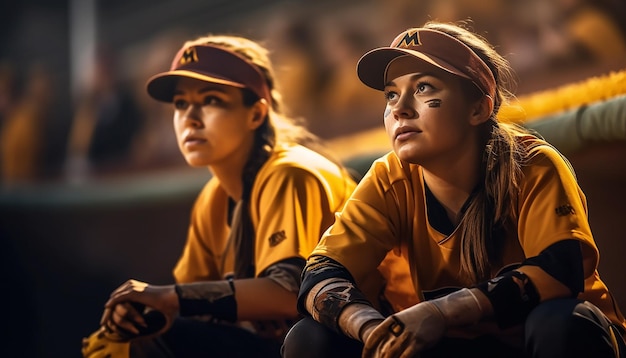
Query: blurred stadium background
[{"x": 85, "y": 206}]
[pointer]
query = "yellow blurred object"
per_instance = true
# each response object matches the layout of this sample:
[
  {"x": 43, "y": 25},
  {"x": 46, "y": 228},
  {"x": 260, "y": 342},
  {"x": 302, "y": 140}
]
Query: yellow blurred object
[
  {"x": 98, "y": 346},
  {"x": 567, "y": 97}
]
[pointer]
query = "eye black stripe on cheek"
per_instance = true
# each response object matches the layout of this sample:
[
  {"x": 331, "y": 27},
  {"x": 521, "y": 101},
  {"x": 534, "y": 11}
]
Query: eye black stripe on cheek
[{"x": 434, "y": 103}]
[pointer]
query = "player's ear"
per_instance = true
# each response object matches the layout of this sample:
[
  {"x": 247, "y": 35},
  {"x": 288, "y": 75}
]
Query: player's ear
[
  {"x": 258, "y": 113},
  {"x": 481, "y": 110}
]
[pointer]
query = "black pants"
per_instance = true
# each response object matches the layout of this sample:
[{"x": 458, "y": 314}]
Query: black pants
[
  {"x": 190, "y": 338},
  {"x": 556, "y": 328}
]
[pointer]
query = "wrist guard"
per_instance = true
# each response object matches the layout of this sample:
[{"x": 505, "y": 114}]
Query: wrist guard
[
  {"x": 512, "y": 296},
  {"x": 214, "y": 298},
  {"x": 328, "y": 298}
]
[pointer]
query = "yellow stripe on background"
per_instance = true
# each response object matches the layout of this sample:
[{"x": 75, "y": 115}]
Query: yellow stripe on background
[{"x": 567, "y": 97}]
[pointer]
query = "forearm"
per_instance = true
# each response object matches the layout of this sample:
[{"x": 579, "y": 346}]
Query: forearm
[
  {"x": 558, "y": 271},
  {"x": 269, "y": 297},
  {"x": 357, "y": 320},
  {"x": 547, "y": 286},
  {"x": 472, "y": 305},
  {"x": 251, "y": 299},
  {"x": 263, "y": 298}
]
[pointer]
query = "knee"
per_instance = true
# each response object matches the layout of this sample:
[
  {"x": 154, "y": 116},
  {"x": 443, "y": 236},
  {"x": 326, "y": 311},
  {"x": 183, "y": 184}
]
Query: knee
[
  {"x": 550, "y": 318},
  {"x": 308, "y": 338},
  {"x": 565, "y": 326},
  {"x": 562, "y": 316}
]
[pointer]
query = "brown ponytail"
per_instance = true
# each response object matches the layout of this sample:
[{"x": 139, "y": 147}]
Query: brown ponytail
[{"x": 492, "y": 208}]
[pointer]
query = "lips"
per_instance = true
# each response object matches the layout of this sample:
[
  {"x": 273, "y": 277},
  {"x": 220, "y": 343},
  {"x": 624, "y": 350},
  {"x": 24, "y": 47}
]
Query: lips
[
  {"x": 191, "y": 139},
  {"x": 194, "y": 140},
  {"x": 405, "y": 132}
]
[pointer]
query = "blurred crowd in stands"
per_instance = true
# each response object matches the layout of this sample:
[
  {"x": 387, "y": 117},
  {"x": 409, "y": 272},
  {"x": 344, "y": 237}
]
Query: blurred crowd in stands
[{"x": 114, "y": 128}]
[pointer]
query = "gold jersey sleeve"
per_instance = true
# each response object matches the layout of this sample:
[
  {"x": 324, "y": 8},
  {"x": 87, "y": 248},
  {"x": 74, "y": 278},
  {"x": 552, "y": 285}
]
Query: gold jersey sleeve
[
  {"x": 293, "y": 201},
  {"x": 370, "y": 236},
  {"x": 553, "y": 207}
]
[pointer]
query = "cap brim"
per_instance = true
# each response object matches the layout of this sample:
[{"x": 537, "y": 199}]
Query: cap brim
[
  {"x": 372, "y": 66},
  {"x": 162, "y": 86}
]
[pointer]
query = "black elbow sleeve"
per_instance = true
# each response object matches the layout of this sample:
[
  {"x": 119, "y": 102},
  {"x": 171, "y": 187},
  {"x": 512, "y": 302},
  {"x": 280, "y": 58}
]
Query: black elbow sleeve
[{"x": 563, "y": 261}]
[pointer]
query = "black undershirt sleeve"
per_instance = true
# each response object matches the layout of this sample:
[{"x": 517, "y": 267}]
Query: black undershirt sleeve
[{"x": 563, "y": 261}]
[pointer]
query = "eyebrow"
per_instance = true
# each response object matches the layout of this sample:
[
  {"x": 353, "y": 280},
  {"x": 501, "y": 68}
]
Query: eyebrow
[{"x": 414, "y": 77}]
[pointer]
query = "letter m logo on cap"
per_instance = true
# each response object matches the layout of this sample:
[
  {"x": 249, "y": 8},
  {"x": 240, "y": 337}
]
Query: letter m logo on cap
[
  {"x": 188, "y": 56},
  {"x": 410, "y": 38}
]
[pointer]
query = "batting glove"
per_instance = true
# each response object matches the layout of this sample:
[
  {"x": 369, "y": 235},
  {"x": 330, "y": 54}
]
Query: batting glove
[{"x": 416, "y": 328}]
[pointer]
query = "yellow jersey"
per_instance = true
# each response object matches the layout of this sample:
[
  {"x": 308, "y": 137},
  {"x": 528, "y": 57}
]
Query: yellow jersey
[{"x": 387, "y": 216}]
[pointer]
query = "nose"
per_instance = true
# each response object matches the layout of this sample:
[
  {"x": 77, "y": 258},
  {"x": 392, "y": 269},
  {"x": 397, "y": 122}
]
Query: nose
[
  {"x": 192, "y": 116},
  {"x": 404, "y": 108}
]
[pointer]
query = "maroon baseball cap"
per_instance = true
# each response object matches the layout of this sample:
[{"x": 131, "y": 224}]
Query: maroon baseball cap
[
  {"x": 211, "y": 64},
  {"x": 432, "y": 46}
]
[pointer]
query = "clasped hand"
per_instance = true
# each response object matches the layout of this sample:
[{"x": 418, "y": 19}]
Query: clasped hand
[
  {"x": 137, "y": 309},
  {"x": 419, "y": 327},
  {"x": 406, "y": 333}
]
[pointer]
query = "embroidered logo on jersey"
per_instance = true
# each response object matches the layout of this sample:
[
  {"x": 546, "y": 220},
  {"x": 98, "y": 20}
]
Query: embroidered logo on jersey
[
  {"x": 188, "y": 56},
  {"x": 410, "y": 39},
  {"x": 277, "y": 238},
  {"x": 564, "y": 210}
]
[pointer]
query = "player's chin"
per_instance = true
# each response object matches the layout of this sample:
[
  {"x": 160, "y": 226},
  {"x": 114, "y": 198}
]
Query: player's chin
[
  {"x": 197, "y": 160},
  {"x": 408, "y": 153}
]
